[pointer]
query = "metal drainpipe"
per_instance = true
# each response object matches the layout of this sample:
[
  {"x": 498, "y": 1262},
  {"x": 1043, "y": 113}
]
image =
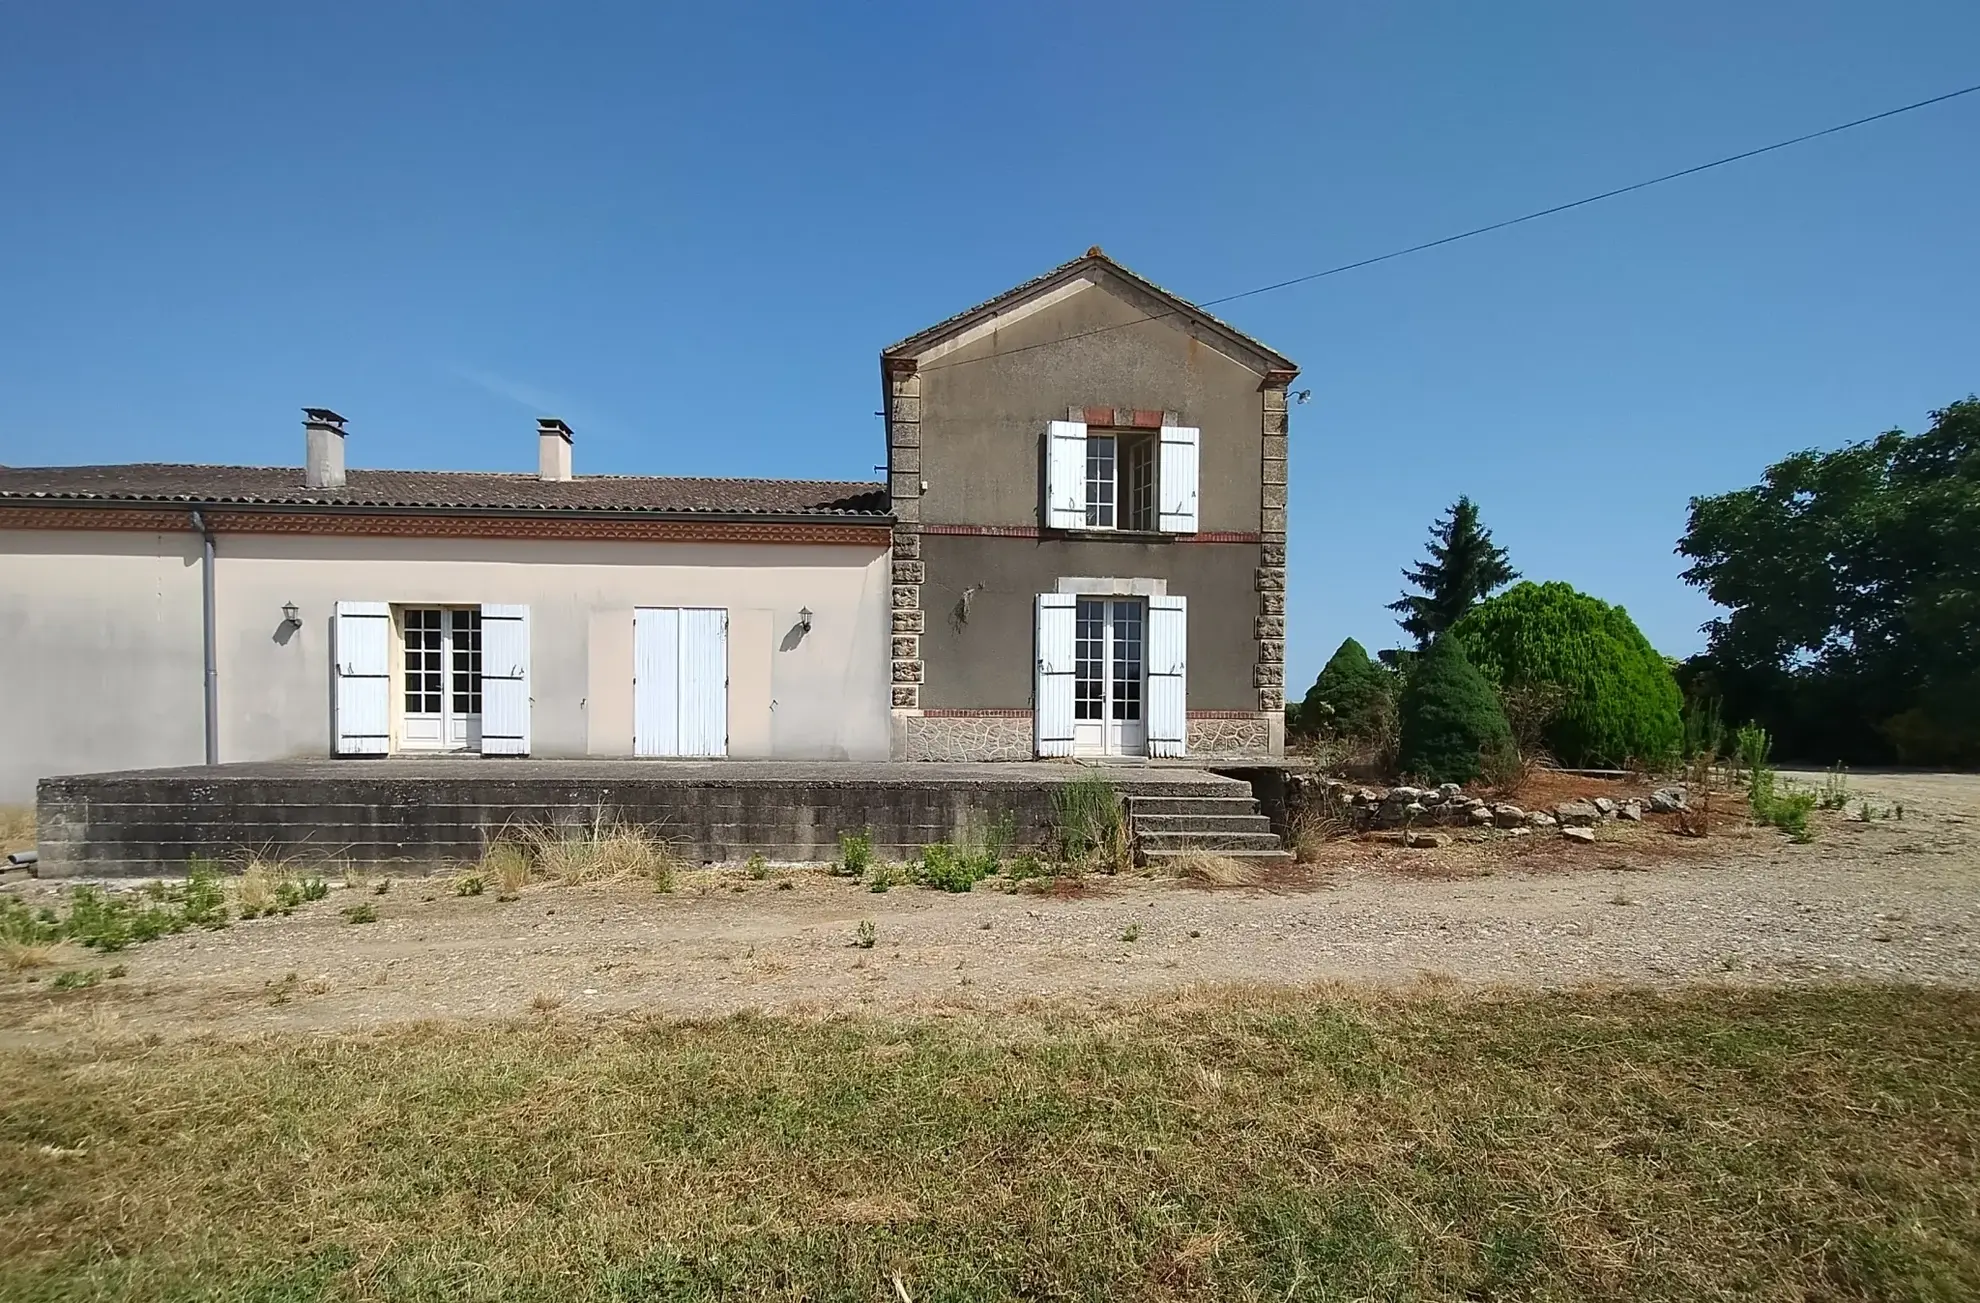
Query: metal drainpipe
[{"x": 207, "y": 638}]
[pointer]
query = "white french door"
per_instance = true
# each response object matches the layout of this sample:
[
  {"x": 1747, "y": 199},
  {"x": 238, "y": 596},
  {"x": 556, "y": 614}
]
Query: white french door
[
  {"x": 442, "y": 676},
  {"x": 1110, "y": 677}
]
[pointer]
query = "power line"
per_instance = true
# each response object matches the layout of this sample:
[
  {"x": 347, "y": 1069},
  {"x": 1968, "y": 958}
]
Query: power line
[{"x": 1494, "y": 226}]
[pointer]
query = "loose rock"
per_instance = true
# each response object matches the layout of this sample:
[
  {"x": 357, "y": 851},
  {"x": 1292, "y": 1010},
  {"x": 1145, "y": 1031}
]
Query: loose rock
[
  {"x": 1632, "y": 811},
  {"x": 1508, "y": 816},
  {"x": 1577, "y": 814},
  {"x": 1584, "y": 835},
  {"x": 1668, "y": 800},
  {"x": 1541, "y": 819},
  {"x": 1604, "y": 807}
]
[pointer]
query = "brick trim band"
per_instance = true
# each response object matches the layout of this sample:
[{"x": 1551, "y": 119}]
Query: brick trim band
[
  {"x": 1001, "y": 712},
  {"x": 1032, "y": 531}
]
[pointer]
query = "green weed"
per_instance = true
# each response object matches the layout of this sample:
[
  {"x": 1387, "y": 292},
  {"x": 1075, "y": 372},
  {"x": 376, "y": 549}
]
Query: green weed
[
  {"x": 864, "y": 935},
  {"x": 855, "y": 853},
  {"x": 757, "y": 867},
  {"x": 946, "y": 868},
  {"x": 364, "y": 913}
]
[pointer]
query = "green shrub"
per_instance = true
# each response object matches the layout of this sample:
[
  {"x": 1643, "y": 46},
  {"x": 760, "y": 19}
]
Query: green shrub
[
  {"x": 1771, "y": 803},
  {"x": 945, "y": 868},
  {"x": 1352, "y": 698},
  {"x": 365, "y": 913},
  {"x": 855, "y": 853},
  {"x": 1450, "y": 718},
  {"x": 1621, "y": 699}
]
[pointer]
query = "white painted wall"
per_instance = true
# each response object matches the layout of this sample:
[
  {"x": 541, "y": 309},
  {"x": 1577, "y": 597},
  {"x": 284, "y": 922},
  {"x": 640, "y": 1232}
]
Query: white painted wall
[
  {"x": 100, "y": 640},
  {"x": 99, "y": 654}
]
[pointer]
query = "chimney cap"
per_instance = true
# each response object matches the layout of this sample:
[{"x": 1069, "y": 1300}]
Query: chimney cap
[
  {"x": 551, "y": 425},
  {"x": 322, "y": 416}
]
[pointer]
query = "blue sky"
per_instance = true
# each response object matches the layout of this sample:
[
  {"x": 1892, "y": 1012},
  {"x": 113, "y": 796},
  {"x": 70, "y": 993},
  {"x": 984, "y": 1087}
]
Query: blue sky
[{"x": 690, "y": 232}]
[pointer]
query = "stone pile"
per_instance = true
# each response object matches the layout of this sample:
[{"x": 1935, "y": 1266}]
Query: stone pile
[{"x": 1371, "y": 809}]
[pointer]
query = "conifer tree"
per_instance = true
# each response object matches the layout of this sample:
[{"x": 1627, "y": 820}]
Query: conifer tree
[{"x": 1464, "y": 567}]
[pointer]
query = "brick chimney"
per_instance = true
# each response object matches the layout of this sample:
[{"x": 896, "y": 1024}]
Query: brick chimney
[
  {"x": 323, "y": 448},
  {"x": 553, "y": 449}
]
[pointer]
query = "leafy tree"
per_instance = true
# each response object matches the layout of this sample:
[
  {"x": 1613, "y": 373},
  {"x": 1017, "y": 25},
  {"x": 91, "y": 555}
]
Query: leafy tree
[
  {"x": 1464, "y": 566},
  {"x": 1852, "y": 583},
  {"x": 1450, "y": 717},
  {"x": 1351, "y": 698},
  {"x": 1617, "y": 698}
]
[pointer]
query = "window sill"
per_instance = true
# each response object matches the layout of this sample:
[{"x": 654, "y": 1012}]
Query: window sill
[{"x": 1118, "y": 535}]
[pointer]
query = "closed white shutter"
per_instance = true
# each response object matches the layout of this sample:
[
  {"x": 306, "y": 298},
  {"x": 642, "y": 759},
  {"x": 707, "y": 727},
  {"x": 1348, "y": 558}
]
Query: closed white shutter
[
  {"x": 1065, "y": 475},
  {"x": 1175, "y": 483},
  {"x": 680, "y": 681},
  {"x": 1168, "y": 693},
  {"x": 1052, "y": 712},
  {"x": 361, "y": 671},
  {"x": 657, "y": 681},
  {"x": 504, "y": 680},
  {"x": 704, "y": 682}
]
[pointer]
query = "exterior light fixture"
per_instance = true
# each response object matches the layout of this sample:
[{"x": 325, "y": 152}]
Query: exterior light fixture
[
  {"x": 804, "y": 618},
  {"x": 291, "y": 615}
]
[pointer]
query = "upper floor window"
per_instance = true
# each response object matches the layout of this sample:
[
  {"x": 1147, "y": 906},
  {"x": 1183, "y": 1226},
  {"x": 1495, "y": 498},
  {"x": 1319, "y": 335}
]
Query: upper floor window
[
  {"x": 1127, "y": 480},
  {"x": 1120, "y": 481}
]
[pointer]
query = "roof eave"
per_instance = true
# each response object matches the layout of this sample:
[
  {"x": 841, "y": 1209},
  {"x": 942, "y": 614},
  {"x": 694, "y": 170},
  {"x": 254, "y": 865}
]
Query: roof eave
[
  {"x": 192, "y": 504},
  {"x": 1271, "y": 361}
]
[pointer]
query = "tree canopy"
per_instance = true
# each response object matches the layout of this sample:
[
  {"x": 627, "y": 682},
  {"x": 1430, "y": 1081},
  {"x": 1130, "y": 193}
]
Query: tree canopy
[
  {"x": 1464, "y": 566},
  {"x": 1852, "y": 584},
  {"x": 1617, "y": 698}
]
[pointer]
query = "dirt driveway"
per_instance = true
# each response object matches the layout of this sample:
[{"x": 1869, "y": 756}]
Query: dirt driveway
[{"x": 1895, "y": 899}]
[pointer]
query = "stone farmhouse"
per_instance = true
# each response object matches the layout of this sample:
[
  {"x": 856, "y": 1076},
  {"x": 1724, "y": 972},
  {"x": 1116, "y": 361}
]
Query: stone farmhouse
[{"x": 1079, "y": 551}]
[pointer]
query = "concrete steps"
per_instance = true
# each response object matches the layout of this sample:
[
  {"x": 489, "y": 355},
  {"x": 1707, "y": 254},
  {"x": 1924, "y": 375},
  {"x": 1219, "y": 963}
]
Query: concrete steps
[{"x": 1166, "y": 826}]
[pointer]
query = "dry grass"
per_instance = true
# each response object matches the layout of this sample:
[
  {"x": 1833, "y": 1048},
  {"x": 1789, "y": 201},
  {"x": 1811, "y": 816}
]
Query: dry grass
[
  {"x": 16, "y": 828},
  {"x": 1214, "y": 870},
  {"x": 601, "y": 851},
  {"x": 1313, "y": 826},
  {"x": 1710, "y": 1144},
  {"x": 255, "y": 889},
  {"x": 506, "y": 866},
  {"x": 19, "y": 956}
]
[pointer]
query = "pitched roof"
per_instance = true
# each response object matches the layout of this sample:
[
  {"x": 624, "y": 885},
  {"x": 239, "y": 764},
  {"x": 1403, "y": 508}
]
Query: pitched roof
[
  {"x": 465, "y": 491},
  {"x": 1090, "y": 261}
]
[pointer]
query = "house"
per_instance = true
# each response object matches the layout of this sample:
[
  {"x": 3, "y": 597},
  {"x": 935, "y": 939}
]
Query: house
[
  {"x": 157, "y": 615},
  {"x": 1088, "y": 476},
  {"x": 1080, "y": 551}
]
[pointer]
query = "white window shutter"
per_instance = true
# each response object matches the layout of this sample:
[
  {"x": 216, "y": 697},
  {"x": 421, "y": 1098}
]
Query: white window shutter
[
  {"x": 1175, "y": 484},
  {"x": 1052, "y": 712},
  {"x": 704, "y": 681},
  {"x": 1168, "y": 691},
  {"x": 504, "y": 679},
  {"x": 361, "y": 672},
  {"x": 1065, "y": 475}
]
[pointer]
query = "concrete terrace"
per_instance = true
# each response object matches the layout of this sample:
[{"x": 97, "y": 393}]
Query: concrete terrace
[{"x": 419, "y": 814}]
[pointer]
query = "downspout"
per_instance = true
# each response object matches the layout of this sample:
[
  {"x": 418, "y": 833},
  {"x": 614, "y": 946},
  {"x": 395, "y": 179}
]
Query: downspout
[{"x": 207, "y": 638}]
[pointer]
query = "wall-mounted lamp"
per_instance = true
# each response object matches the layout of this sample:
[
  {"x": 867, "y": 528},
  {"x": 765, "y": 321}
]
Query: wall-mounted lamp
[
  {"x": 291, "y": 615},
  {"x": 804, "y": 618}
]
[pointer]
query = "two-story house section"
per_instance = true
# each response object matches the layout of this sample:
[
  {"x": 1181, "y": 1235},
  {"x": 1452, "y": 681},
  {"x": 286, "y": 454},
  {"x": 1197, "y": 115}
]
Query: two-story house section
[{"x": 1089, "y": 479}]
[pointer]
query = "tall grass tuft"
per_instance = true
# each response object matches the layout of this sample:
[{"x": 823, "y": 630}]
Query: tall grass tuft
[
  {"x": 1089, "y": 824},
  {"x": 601, "y": 851}
]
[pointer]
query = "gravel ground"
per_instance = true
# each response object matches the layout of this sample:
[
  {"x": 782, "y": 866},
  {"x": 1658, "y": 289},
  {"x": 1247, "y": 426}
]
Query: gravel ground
[{"x": 1887, "y": 900}]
